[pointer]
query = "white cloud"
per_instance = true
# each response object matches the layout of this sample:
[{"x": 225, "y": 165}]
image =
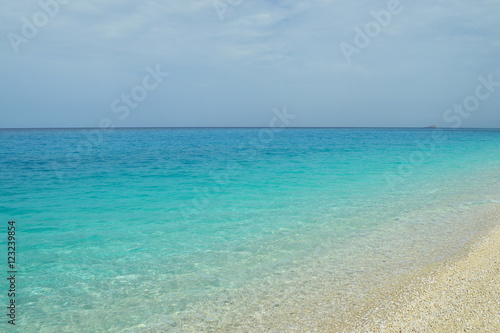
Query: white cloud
[{"x": 285, "y": 47}]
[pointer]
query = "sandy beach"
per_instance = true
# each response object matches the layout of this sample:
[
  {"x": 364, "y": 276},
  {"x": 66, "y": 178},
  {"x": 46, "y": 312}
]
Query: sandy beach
[
  {"x": 456, "y": 294},
  {"x": 460, "y": 295}
]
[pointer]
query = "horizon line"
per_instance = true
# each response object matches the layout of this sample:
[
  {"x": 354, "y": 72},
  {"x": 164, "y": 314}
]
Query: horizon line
[{"x": 245, "y": 127}]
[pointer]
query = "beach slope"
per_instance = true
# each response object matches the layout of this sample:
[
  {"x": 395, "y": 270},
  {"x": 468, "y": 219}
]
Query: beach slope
[{"x": 461, "y": 295}]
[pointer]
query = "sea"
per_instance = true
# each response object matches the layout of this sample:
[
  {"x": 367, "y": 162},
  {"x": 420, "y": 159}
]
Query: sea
[{"x": 219, "y": 229}]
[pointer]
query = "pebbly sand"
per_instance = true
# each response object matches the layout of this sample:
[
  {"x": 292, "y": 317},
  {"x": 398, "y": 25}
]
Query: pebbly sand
[
  {"x": 457, "y": 294},
  {"x": 460, "y": 295}
]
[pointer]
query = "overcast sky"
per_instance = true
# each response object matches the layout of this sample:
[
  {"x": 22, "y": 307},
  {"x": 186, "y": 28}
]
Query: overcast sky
[{"x": 231, "y": 62}]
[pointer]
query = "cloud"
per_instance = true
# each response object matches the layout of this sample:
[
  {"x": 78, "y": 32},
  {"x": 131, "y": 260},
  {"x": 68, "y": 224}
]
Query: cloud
[{"x": 278, "y": 52}]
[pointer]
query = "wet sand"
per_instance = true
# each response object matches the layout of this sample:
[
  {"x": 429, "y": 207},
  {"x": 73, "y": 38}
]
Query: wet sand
[
  {"x": 457, "y": 294},
  {"x": 460, "y": 295}
]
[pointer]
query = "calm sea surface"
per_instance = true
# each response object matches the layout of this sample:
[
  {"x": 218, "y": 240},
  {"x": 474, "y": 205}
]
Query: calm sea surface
[{"x": 131, "y": 229}]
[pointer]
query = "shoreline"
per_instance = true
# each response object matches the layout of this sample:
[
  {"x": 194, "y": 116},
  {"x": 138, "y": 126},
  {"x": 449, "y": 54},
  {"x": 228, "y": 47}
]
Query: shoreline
[
  {"x": 461, "y": 293},
  {"x": 396, "y": 304}
]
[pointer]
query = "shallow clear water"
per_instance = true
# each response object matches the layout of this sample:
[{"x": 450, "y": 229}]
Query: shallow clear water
[{"x": 133, "y": 227}]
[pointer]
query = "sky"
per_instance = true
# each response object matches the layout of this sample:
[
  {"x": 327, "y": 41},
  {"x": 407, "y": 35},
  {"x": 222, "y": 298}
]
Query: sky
[{"x": 190, "y": 63}]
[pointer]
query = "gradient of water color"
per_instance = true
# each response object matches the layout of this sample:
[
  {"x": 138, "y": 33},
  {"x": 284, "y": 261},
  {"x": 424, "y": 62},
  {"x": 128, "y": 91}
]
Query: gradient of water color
[{"x": 146, "y": 227}]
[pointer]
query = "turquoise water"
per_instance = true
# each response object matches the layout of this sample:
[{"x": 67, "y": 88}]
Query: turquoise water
[{"x": 132, "y": 229}]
